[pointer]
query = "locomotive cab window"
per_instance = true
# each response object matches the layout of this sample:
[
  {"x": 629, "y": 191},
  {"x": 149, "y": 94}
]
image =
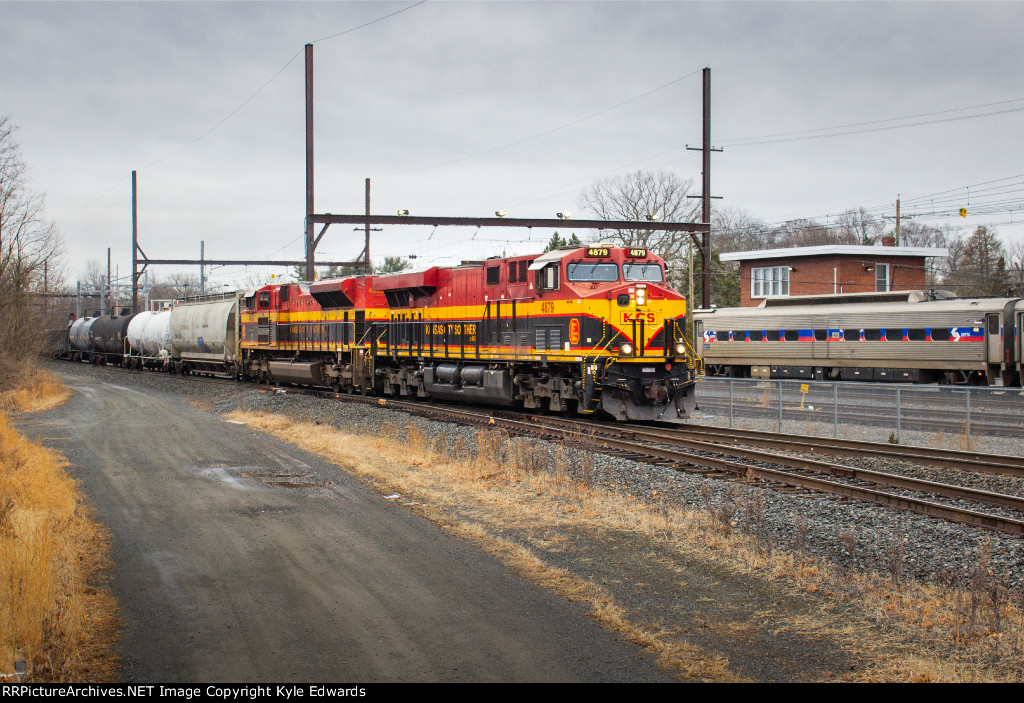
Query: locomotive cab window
[
  {"x": 583, "y": 271},
  {"x": 547, "y": 278},
  {"x": 264, "y": 300},
  {"x": 493, "y": 275},
  {"x": 643, "y": 272}
]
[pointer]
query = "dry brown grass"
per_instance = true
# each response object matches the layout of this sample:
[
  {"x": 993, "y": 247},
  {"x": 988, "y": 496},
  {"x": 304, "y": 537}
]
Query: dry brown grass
[
  {"x": 52, "y": 615},
  {"x": 905, "y": 631},
  {"x": 42, "y": 392}
]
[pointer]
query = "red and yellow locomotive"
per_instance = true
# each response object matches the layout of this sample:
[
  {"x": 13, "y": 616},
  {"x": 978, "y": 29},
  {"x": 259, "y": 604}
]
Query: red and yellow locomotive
[{"x": 574, "y": 330}]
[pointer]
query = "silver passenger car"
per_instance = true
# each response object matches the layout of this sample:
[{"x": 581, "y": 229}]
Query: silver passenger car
[{"x": 916, "y": 336}]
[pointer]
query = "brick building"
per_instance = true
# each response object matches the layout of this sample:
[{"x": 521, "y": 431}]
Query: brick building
[{"x": 830, "y": 269}]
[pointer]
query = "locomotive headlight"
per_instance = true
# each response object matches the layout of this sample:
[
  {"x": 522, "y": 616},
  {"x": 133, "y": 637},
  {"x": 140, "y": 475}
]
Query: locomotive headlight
[
  {"x": 681, "y": 350},
  {"x": 640, "y": 297},
  {"x": 626, "y": 349}
]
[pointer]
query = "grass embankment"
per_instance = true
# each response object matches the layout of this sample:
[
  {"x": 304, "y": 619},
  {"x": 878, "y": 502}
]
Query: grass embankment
[
  {"x": 55, "y": 625},
  {"x": 517, "y": 502}
]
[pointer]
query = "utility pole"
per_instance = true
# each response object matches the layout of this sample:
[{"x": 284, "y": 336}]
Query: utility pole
[
  {"x": 366, "y": 246},
  {"x": 897, "y": 220},
  {"x": 135, "y": 248},
  {"x": 689, "y": 297},
  {"x": 310, "y": 273},
  {"x": 107, "y": 290},
  {"x": 705, "y": 196},
  {"x": 202, "y": 268}
]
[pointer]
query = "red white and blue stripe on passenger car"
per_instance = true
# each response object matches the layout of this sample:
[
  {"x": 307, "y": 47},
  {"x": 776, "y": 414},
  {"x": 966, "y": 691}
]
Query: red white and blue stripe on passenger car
[{"x": 956, "y": 334}]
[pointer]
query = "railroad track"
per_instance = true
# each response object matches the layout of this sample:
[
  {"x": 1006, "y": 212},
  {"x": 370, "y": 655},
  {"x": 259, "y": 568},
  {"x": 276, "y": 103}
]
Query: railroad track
[
  {"x": 669, "y": 447},
  {"x": 692, "y": 449}
]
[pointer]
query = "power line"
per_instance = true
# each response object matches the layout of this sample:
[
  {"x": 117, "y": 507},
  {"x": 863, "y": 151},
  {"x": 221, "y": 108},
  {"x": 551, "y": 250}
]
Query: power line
[
  {"x": 793, "y": 136},
  {"x": 367, "y": 24},
  {"x": 273, "y": 77}
]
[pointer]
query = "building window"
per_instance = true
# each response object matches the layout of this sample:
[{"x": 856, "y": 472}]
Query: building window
[
  {"x": 770, "y": 282},
  {"x": 882, "y": 281}
]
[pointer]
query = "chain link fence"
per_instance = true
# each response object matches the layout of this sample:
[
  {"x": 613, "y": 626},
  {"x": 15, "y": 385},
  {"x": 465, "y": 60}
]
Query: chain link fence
[{"x": 983, "y": 419}]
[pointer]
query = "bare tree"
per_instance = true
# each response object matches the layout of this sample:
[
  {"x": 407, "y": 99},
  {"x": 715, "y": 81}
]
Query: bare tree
[
  {"x": 30, "y": 249},
  {"x": 977, "y": 265},
  {"x": 1015, "y": 265},
  {"x": 637, "y": 196},
  {"x": 858, "y": 227},
  {"x": 733, "y": 229}
]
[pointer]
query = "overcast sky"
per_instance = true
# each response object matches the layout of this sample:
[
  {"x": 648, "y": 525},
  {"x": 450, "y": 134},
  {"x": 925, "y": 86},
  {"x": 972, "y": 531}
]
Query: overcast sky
[{"x": 423, "y": 102}]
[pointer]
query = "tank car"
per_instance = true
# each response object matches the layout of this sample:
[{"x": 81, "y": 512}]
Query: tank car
[
  {"x": 108, "y": 336},
  {"x": 923, "y": 339},
  {"x": 78, "y": 335},
  {"x": 149, "y": 340},
  {"x": 573, "y": 330},
  {"x": 204, "y": 334}
]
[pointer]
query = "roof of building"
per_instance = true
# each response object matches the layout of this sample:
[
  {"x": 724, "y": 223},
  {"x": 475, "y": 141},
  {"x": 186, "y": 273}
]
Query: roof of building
[{"x": 833, "y": 250}]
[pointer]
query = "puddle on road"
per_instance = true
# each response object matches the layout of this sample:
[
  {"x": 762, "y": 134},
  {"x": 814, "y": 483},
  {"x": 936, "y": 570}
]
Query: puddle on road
[
  {"x": 222, "y": 474},
  {"x": 286, "y": 480},
  {"x": 244, "y": 478}
]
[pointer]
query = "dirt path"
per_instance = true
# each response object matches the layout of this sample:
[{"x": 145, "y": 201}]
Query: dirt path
[{"x": 240, "y": 558}]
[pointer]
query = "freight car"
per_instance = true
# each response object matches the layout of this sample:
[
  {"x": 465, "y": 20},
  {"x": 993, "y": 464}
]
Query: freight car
[
  {"x": 204, "y": 335},
  {"x": 913, "y": 337},
  {"x": 100, "y": 340},
  {"x": 149, "y": 340}
]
